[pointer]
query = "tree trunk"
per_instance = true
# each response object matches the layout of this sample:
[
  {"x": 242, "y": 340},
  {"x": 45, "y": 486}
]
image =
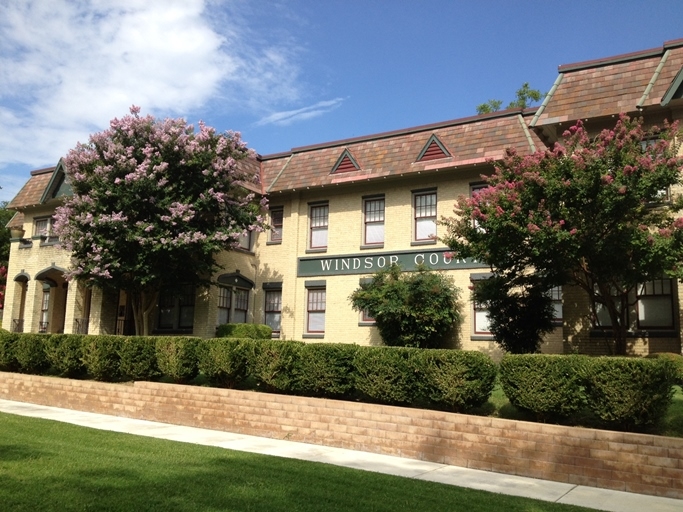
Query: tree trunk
[{"x": 143, "y": 305}]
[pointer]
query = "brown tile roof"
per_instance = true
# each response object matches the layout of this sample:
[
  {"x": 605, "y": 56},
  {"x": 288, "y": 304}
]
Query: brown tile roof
[
  {"x": 31, "y": 193},
  {"x": 470, "y": 141},
  {"x": 610, "y": 86},
  {"x": 16, "y": 222}
]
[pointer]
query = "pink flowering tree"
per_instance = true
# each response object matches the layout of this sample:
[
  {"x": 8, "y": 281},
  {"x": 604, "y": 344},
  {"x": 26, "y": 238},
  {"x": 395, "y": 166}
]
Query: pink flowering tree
[
  {"x": 153, "y": 203},
  {"x": 3, "y": 282},
  {"x": 595, "y": 212}
]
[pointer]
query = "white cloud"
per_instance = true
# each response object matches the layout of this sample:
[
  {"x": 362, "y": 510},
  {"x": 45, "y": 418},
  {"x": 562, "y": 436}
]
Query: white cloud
[
  {"x": 290, "y": 116},
  {"x": 69, "y": 66}
]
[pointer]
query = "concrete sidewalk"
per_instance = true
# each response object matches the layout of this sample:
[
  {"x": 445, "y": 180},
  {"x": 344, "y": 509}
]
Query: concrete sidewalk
[{"x": 600, "y": 499}]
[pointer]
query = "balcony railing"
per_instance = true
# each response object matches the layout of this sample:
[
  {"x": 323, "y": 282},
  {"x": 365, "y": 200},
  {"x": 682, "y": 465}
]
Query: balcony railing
[
  {"x": 81, "y": 326},
  {"x": 17, "y": 325}
]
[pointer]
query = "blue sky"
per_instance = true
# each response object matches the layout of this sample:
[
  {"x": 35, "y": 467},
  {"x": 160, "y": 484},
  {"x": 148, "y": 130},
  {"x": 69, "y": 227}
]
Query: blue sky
[{"x": 288, "y": 73}]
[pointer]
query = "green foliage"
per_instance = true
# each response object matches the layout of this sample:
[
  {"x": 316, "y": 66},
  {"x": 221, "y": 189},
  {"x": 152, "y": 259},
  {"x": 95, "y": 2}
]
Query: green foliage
[
  {"x": 589, "y": 213},
  {"x": 518, "y": 317},
  {"x": 101, "y": 357},
  {"x": 524, "y": 97},
  {"x": 411, "y": 309},
  {"x": 195, "y": 206},
  {"x": 455, "y": 379},
  {"x": 8, "y": 362},
  {"x": 5, "y": 216},
  {"x": 137, "y": 358},
  {"x": 326, "y": 370},
  {"x": 29, "y": 351},
  {"x": 274, "y": 364},
  {"x": 629, "y": 393},
  {"x": 64, "y": 353},
  {"x": 177, "y": 357},
  {"x": 387, "y": 375},
  {"x": 252, "y": 331},
  {"x": 548, "y": 386},
  {"x": 676, "y": 360},
  {"x": 224, "y": 360}
]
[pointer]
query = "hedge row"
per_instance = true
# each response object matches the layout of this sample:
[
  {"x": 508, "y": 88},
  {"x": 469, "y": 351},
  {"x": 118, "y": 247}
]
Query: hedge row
[
  {"x": 442, "y": 379},
  {"x": 621, "y": 392}
]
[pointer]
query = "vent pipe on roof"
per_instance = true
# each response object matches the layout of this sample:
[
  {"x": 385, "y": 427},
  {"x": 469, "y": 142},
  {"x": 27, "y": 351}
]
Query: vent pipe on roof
[{"x": 654, "y": 78}]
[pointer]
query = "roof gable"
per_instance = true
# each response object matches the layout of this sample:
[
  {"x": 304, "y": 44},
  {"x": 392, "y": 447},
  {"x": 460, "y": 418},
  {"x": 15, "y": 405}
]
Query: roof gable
[
  {"x": 345, "y": 163},
  {"x": 433, "y": 150}
]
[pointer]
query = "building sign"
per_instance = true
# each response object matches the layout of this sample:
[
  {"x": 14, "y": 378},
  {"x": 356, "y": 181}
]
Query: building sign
[{"x": 440, "y": 259}]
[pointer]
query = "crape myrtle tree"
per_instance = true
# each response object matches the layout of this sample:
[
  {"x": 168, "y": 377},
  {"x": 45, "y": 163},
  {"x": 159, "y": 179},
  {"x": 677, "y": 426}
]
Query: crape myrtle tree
[
  {"x": 593, "y": 212},
  {"x": 153, "y": 203},
  {"x": 410, "y": 309}
]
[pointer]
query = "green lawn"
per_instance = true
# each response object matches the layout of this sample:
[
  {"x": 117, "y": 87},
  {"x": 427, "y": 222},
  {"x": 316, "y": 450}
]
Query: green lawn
[{"x": 47, "y": 465}]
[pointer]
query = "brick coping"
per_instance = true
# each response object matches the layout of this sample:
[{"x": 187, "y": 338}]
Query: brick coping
[{"x": 640, "y": 463}]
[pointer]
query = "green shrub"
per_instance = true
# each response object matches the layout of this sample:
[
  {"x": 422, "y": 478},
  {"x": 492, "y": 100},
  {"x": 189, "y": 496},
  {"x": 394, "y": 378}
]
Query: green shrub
[
  {"x": 629, "y": 393},
  {"x": 549, "y": 386},
  {"x": 101, "y": 357},
  {"x": 7, "y": 360},
  {"x": 456, "y": 379},
  {"x": 274, "y": 364},
  {"x": 223, "y": 360},
  {"x": 29, "y": 351},
  {"x": 676, "y": 359},
  {"x": 252, "y": 331},
  {"x": 64, "y": 353},
  {"x": 137, "y": 358},
  {"x": 326, "y": 370},
  {"x": 387, "y": 375},
  {"x": 177, "y": 357}
]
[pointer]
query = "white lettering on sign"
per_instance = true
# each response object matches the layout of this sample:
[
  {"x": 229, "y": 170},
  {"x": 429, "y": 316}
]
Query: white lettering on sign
[{"x": 419, "y": 259}]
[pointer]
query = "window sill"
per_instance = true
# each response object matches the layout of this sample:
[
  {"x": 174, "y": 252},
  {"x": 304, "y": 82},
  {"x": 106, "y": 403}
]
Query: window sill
[
  {"x": 423, "y": 242},
  {"x": 641, "y": 333},
  {"x": 374, "y": 246},
  {"x": 314, "y": 336},
  {"x": 245, "y": 251},
  {"x": 274, "y": 242},
  {"x": 310, "y": 251},
  {"x": 482, "y": 337},
  {"x": 367, "y": 324}
]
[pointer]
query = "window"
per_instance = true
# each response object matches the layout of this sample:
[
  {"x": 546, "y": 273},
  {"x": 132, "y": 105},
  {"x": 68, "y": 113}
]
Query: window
[
  {"x": 556, "y": 296},
  {"x": 224, "y": 305},
  {"x": 319, "y": 218},
  {"x": 655, "y": 304},
  {"x": 176, "y": 310},
  {"x": 481, "y": 323},
  {"x": 366, "y": 318},
  {"x": 42, "y": 228},
  {"x": 424, "y": 206},
  {"x": 373, "y": 209},
  {"x": 233, "y": 305},
  {"x": 649, "y": 305},
  {"x": 244, "y": 241},
  {"x": 475, "y": 189},
  {"x": 315, "y": 321},
  {"x": 273, "y": 311},
  {"x": 276, "y": 217}
]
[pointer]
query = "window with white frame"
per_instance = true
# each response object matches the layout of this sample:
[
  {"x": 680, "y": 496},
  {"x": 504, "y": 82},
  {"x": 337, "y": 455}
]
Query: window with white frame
[
  {"x": 373, "y": 219},
  {"x": 44, "y": 323},
  {"x": 481, "y": 323},
  {"x": 556, "y": 296},
  {"x": 276, "y": 218},
  {"x": 424, "y": 209},
  {"x": 244, "y": 241},
  {"x": 224, "y": 305},
  {"x": 475, "y": 188},
  {"x": 42, "y": 228},
  {"x": 233, "y": 305},
  {"x": 318, "y": 220},
  {"x": 273, "y": 311},
  {"x": 315, "y": 310}
]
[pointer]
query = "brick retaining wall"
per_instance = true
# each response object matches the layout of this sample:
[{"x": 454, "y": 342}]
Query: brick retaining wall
[{"x": 638, "y": 463}]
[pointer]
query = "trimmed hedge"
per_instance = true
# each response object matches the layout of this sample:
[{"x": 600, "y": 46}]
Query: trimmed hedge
[
  {"x": 251, "y": 331},
  {"x": 101, "y": 357},
  {"x": 177, "y": 357},
  {"x": 137, "y": 358},
  {"x": 627, "y": 392},
  {"x": 387, "y": 375},
  {"x": 29, "y": 352},
  {"x": 224, "y": 360},
  {"x": 326, "y": 370},
  {"x": 273, "y": 364},
  {"x": 7, "y": 360},
  {"x": 549, "y": 386},
  {"x": 676, "y": 360},
  {"x": 619, "y": 392},
  {"x": 64, "y": 353}
]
